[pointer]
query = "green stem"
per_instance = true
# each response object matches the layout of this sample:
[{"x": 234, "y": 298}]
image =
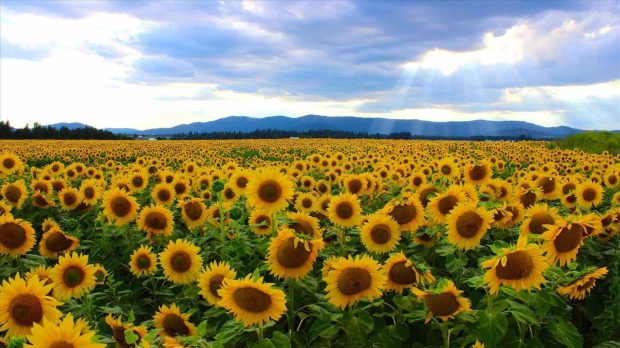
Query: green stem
[
  {"x": 291, "y": 307},
  {"x": 445, "y": 333},
  {"x": 341, "y": 241},
  {"x": 259, "y": 332}
]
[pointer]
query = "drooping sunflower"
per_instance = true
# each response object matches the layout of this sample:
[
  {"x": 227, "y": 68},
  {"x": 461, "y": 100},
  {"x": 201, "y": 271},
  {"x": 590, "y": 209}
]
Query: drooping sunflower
[
  {"x": 380, "y": 234},
  {"x": 24, "y": 303},
  {"x": 562, "y": 241},
  {"x": 118, "y": 329},
  {"x": 194, "y": 212},
  {"x": 441, "y": 205},
  {"x": 445, "y": 301},
  {"x": 269, "y": 190},
  {"x": 69, "y": 198},
  {"x": 181, "y": 261},
  {"x": 55, "y": 242},
  {"x": 72, "y": 276},
  {"x": 212, "y": 278},
  {"x": 402, "y": 274},
  {"x": 252, "y": 301},
  {"x": 521, "y": 267},
  {"x": 408, "y": 212},
  {"x": 119, "y": 206},
  {"x": 155, "y": 220},
  {"x": 260, "y": 222},
  {"x": 172, "y": 322},
  {"x": 163, "y": 193},
  {"x": 353, "y": 279},
  {"x": 589, "y": 194},
  {"x": 581, "y": 287},
  {"x": 17, "y": 236},
  {"x": 15, "y": 193},
  {"x": 537, "y": 217},
  {"x": 467, "y": 224},
  {"x": 42, "y": 200},
  {"x": 64, "y": 334},
  {"x": 304, "y": 224},
  {"x": 143, "y": 261},
  {"x": 290, "y": 256},
  {"x": 344, "y": 210}
]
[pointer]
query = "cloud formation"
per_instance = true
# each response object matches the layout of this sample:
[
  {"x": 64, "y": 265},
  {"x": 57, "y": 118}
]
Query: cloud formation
[{"x": 150, "y": 64}]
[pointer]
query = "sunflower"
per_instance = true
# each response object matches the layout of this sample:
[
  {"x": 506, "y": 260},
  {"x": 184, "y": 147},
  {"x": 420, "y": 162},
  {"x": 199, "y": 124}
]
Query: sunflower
[
  {"x": 304, "y": 224},
  {"x": 252, "y": 301},
  {"x": 90, "y": 191},
  {"x": 478, "y": 174},
  {"x": 181, "y": 187},
  {"x": 269, "y": 190},
  {"x": 100, "y": 274},
  {"x": 402, "y": 274},
  {"x": 353, "y": 279},
  {"x": 305, "y": 202},
  {"x": 172, "y": 322},
  {"x": 441, "y": 205},
  {"x": 72, "y": 276},
  {"x": 41, "y": 200},
  {"x": 344, "y": 210},
  {"x": 42, "y": 186},
  {"x": 589, "y": 194},
  {"x": 143, "y": 261},
  {"x": 290, "y": 256},
  {"x": 48, "y": 224},
  {"x": 155, "y": 220},
  {"x": 519, "y": 267},
  {"x": 24, "y": 303},
  {"x": 194, "y": 212},
  {"x": 69, "y": 198},
  {"x": 42, "y": 273},
  {"x": 380, "y": 234},
  {"x": 211, "y": 280},
  {"x": 5, "y": 209},
  {"x": 119, "y": 206},
  {"x": 163, "y": 193},
  {"x": 548, "y": 186},
  {"x": 9, "y": 163},
  {"x": 239, "y": 181},
  {"x": 15, "y": 193},
  {"x": 181, "y": 261},
  {"x": 17, "y": 236},
  {"x": 118, "y": 329},
  {"x": 562, "y": 241},
  {"x": 138, "y": 181},
  {"x": 408, "y": 212},
  {"x": 445, "y": 301},
  {"x": 260, "y": 222},
  {"x": 467, "y": 224},
  {"x": 354, "y": 184},
  {"x": 537, "y": 217},
  {"x": 447, "y": 167},
  {"x": 580, "y": 288},
  {"x": 54, "y": 242},
  {"x": 65, "y": 334}
]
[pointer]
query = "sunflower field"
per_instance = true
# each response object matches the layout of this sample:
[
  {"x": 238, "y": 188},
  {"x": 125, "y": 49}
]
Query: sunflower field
[{"x": 307, "y": 243}]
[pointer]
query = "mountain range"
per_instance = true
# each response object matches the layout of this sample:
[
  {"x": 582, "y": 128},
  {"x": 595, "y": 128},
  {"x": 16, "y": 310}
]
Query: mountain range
[{"x": 355, "y": 124}]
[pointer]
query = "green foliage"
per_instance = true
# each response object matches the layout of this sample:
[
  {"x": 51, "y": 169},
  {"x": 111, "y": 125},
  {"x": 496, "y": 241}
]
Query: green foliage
[{"x": 594, "y": 142}]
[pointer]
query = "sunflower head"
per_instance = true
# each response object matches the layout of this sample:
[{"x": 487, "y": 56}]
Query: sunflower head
[
  {"x": 17, "y": 236},
  {"x": 380, "y": 234},
  {"x": 172, "y": 322},
  {"x": 403, "y": 274},
  {"x": 467, "y": 224},
  {"x": 143, "y": 261},
  {"x": 344, "y": 210},
  {"x": 72, "y": 276},
  {"x": 580, "y": 287},
  {"x": 119, "y": 206},
  {"x": 64, "y": 334},
  {"x": 445, "y": 301},
  {"x": 269, "y": 190},
  {"x": 156, "y": 220},
  {"x": 181, "y": 261},
  {"x": 353, "y": 279},
  {"x": 212, "y": 278},
  {"x": 292, "y": 256}
]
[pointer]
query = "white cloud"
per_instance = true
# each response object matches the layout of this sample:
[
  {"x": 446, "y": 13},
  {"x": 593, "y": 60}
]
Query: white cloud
[{"x": 565, "y": 94}]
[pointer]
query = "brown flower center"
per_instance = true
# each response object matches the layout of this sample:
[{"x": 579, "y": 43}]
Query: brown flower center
[
  {"x": 143, "y": 262},
  {"x": 137, "y": 181},
  {"x": 229, "y": 193},
  {"x": 425, "y": 194},
  {"x": 344, "y": 210},
  {"x": 41, "y": 187},
  {"x": 547, "y": 185},
  {"x": 12, "y": 194},
  {"x": 121, "y": 206},
  {"x": 468, "y": 224},
  {"x": 528, "y": 199},
  {"x": 69, "y": 198},
  {"x": 478, "y": 172},
  {"x": 404, "y": 213},
  {"x": 193, "y": 210},
  {"x": 89, "y": 192},
  {"x": 26, "y": 309},
  {"x": 57, "y": 242},
  {"x": 174, "y": 325},
  {"x": 569, "y": 238},
  {"x": 537, "y": 222},
  {"x": 215, "y": 283},
  {"x": 446, "y": 204},
  {"x": 589, "y": 194},
  {"x": 446, "y": 170},
  {"x": 156, "y": 220},
  {"x": 587, "y": 285},
  {"x": 355, "y": 186},
  {"x": 252, "y": 300},
  {"x": 380, "y": 233},
  {"x": 267, "y": 222},
  {"x": 61, "y": 344},
  {"x": 354, "y": 280},
  {"x": 180, "y": 261},
  {"x": 444, "y": 304},
  {"x": 519, "y": 265},
  {"x": 8, "y": 163},
  {"x": 180, "y": 188},
  {"x": 73, "y": 276},
  {"x": 12, "y": 235},
  {"x": 306, "y": 203},
  {"x": 402, "y": 274},
  {"x": 269, "y": 191},
  {"x": 292, "y": 256},
  {"x": 163, "y": 195},
  {"x": 242, "y": 181}
]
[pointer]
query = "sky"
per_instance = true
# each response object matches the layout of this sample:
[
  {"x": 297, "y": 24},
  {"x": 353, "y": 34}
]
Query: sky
[{"x": 147, "y": 64}]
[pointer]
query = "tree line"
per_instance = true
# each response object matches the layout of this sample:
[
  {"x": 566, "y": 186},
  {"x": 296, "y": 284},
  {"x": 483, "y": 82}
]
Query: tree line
[{"x": 38, "y": 131}]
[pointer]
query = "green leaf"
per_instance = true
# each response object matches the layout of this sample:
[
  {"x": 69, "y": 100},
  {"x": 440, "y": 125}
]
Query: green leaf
[
  {"x": 491, "y": 327},
  {"x": 566, "y": 333},
  {"x": 201, "y": 331},
  {"x": 522, "y": 313},
  {"x": 280, "y": 340},
  {"x": 131, "y": 337}
]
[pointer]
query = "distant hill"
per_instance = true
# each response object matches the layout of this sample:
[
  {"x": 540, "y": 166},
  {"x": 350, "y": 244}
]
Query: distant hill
[
  {"x": 361, "y": 124},
  {"x": 71, "y": 125}
]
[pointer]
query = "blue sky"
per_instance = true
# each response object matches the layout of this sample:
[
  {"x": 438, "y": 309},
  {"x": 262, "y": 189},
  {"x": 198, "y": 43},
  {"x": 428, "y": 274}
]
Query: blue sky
[{"x": 160, "y": 63}]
